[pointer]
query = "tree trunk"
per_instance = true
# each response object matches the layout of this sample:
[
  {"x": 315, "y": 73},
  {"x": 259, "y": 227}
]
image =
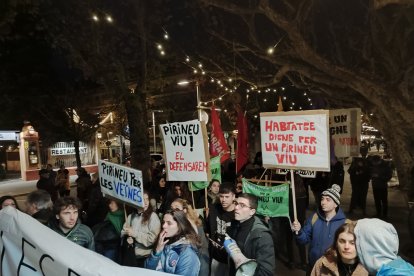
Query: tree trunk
[
  {"x": 77, "y": 155},
  {"x": 136, "y": 108}
]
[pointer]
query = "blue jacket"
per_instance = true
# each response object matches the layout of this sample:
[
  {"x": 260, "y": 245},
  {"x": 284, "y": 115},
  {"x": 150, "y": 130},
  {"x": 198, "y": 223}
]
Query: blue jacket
[
  {"x": 397, "y": 267},
  {"x": 320, "y": 235},
  {"x": 179, "y": 258}
]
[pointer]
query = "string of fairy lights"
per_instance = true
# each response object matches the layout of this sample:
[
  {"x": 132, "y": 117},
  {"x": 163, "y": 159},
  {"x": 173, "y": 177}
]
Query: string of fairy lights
[{"x": 227, "y": 84}]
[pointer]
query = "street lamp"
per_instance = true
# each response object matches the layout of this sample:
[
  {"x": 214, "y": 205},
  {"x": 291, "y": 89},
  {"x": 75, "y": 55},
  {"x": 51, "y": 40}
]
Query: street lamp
[
  {"x": 153, "y": 129},
  {"x": 186, "y": 82}
]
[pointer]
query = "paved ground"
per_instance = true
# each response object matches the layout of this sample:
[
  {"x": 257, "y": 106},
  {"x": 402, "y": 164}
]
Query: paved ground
[{"x": 398, "y": 212}]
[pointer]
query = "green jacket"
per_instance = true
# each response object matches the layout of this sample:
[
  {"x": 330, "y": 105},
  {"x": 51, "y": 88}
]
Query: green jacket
[{"x": 80, "y": 234}]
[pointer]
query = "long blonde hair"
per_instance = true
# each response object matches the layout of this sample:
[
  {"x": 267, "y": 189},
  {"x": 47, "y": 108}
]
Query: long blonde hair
[{"x": 192, "y": 214}]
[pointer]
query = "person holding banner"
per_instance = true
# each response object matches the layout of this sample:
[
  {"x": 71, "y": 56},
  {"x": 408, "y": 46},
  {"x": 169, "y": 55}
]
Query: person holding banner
[
  {"x": 8, "y": 200},
  {"x": 252, "y": 236},
  {"x": 319, "y": 229},
  {"x": 176, "y": 251},
  {"x": 66, "y": 210},
  {"x": 141, "y": 230}
]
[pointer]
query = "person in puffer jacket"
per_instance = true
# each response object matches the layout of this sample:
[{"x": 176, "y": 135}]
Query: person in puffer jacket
[
  {"x": 176, "y": 251},
  {"x": 377, "y": 246}
]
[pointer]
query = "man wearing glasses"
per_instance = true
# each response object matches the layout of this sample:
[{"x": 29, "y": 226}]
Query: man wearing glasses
[{"x": 252, "y": 236}]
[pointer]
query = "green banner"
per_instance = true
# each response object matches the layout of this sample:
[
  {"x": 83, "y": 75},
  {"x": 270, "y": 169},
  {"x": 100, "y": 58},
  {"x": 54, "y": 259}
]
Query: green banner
[
  {"x": 215, "y": 168},
  {"x": 273, "y": 201}
]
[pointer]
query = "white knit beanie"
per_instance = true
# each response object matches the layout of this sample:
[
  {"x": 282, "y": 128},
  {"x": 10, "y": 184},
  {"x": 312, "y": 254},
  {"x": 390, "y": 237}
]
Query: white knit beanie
[{"x": 333, "y": 193}]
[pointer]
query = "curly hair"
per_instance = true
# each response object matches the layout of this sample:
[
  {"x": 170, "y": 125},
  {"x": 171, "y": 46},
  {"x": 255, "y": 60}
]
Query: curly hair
[{"x": 65, "y": 202}]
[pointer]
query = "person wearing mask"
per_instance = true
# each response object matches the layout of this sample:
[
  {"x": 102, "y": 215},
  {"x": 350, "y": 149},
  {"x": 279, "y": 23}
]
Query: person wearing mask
[
  {"x": 141, "y": 230},
  {"x": 319, "y": 229},
  {"x": 176, "y": 251},
  {"x": 341, "y": 258},
  {"x": 194, "y": 218}
]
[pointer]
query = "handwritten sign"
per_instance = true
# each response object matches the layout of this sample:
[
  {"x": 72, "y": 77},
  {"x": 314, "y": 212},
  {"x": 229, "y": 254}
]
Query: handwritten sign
[
  {"x": 295, "y": 140},
  {"x": 345, "y": 130},
  {"x": 186, "y": 151},
  {"x": 272, "y": 201},
  {"x": 121, "y": 182}
]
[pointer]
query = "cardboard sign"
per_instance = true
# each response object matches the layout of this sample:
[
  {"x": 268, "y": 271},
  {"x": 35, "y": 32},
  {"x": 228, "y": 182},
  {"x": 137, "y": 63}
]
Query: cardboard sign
[
  {"x": 186, "y": 151},
  {"x": 295, "y": 140},
  {"x": 345, "y": 130},
  {"x": 120, "y": 182},
  {"x": 30, "y": 248}
]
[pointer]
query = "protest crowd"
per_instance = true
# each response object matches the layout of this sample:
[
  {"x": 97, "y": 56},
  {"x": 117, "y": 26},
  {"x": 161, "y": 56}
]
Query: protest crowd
[{"x": 238, "y": 223}]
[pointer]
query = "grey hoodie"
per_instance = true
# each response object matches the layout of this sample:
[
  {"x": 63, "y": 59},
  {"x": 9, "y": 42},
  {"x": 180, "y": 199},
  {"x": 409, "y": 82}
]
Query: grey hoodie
[{"x": 376, "y": 243}]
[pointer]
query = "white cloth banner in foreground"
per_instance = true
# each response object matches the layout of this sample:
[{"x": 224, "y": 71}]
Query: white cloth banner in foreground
[{"x": 28, "y": 248}]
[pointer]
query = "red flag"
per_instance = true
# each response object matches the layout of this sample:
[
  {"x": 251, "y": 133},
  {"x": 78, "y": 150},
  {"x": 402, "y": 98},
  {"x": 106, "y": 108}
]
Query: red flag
[
  {"x": 242, "y": 141},
  {"x": 218, "y": 144}
]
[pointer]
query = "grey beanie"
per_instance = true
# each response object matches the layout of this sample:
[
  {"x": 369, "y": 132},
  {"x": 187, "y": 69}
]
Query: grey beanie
[{"x": 334, "y": 193}]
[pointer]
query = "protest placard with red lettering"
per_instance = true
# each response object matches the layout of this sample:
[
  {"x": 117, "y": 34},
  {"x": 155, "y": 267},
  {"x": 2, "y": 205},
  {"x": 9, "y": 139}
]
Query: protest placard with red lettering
[
  {"x": 296, "y": 140},
  {"x": 345, "y": 130},
  {"x": 186, "y": 151}
]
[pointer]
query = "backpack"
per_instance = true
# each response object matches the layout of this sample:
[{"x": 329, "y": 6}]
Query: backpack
[{"x": 315, "y": 218}]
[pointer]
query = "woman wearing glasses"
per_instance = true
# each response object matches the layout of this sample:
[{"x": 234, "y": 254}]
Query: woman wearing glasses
[
  {"x": 176, "y": 251},
  {"x": 341, "y": 258}
]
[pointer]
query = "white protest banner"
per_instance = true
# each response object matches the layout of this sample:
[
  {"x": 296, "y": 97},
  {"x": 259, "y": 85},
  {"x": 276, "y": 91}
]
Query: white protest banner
[
  {"x": 345, "y": 130},
  {"x": 295, "y": 140},
  {"x": 29, "y": 248},
  {"x": 302, "y": 173},
  {"x": 186, "y": 151},
  {"x": 123, "y": 183}
]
